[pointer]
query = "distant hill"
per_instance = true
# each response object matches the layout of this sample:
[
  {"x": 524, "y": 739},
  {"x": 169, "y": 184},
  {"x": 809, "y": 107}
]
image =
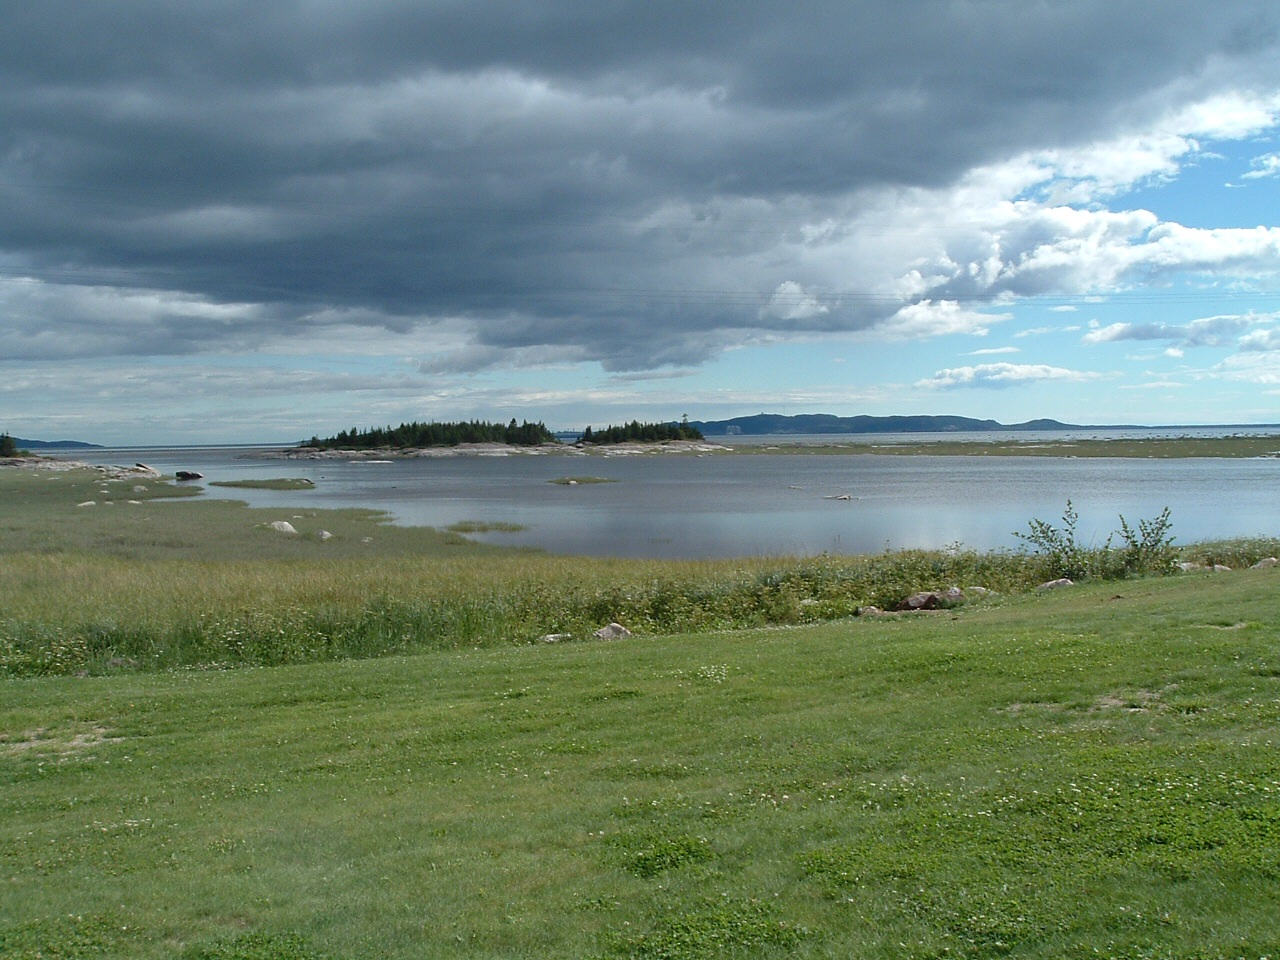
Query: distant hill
[
  {"x": 47, "y": 444},
  {"x": 775, "y": 423}
]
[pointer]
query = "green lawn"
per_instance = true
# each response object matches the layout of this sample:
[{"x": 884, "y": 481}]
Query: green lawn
[{"x": 1088, "y": 773}]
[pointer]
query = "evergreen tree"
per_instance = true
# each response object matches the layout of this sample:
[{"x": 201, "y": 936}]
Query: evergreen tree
[{"x": 8, "y": 446}]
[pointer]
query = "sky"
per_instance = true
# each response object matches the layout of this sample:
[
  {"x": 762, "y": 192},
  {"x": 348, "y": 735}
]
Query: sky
[{"x": 241, "y": 222}]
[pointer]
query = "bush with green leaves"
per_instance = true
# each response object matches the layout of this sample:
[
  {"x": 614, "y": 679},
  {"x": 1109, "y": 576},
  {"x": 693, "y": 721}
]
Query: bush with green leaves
[{"x": 1146, "y": 549}]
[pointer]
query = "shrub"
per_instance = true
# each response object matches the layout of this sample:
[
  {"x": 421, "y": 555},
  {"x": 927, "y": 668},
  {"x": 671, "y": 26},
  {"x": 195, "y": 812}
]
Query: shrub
[{"x": 1148, "y": 549}]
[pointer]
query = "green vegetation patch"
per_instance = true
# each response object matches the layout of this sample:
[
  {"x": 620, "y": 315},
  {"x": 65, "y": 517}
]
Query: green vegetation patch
[
  {"x": 724, "y": 927},
  {"x": 256, "y": 946},
  {"x": 485, "y": 526},
  {"x": 276, "y": 483},
  {"x": 648, "y": 854}
]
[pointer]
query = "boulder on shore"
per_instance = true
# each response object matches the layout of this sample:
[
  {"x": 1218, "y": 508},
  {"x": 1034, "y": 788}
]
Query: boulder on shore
[
  {"x": 187, "y": 475},
  {"x": 932, "y": 599}
]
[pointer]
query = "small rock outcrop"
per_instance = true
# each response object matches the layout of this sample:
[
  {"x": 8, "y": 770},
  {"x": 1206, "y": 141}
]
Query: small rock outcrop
[
  {"x": 555, "y": 637},
  {"x": 1266, "y": 563},
  {"x": 282, "y": 526},
  {"x": 614, "y": 631},
  {"x": 325, "y": 535},
  {"x": 187, "y": 475}
]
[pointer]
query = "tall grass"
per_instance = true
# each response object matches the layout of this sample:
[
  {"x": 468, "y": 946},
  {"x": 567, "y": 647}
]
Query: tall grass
[{"x": 69, "y": 613}]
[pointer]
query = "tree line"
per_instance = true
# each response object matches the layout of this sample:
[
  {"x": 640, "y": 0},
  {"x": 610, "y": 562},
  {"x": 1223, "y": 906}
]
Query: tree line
[
  {"x": 637, "y": 431},
  {"x": 436, "y": 434}
]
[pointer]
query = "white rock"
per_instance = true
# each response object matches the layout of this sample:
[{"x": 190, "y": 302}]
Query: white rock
[
  {"x": 1265, "y": 563},
  {"x": 282, "y": 526},
  {"x": 88, "y": 503},
  {"x": 614, "y": 631},
  {"x": 1055, "y": 584},
  {"x": 326, "y": 535},
  {"x": 554, "y": 637}
]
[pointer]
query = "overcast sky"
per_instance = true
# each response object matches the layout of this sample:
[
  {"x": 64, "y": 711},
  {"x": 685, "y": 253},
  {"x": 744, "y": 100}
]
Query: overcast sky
[{"x": 234, "y": 221}]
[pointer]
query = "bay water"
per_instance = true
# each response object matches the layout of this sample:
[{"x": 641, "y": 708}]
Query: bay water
[{"x": 659, "y": 505}]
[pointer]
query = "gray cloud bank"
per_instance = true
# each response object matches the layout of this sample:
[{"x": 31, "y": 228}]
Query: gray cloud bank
[{"x": 642, "y": 184}]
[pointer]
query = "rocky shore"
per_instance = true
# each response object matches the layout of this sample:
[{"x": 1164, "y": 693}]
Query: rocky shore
[{"x": 497, "y": 450}]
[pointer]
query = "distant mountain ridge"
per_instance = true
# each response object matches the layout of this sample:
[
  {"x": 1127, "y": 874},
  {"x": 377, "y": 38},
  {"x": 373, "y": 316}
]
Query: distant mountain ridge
[
  {"x": 46, "y": 444},
  {"x": 776, "y": 423}
]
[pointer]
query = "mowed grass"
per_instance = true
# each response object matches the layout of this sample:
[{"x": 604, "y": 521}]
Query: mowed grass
[{"x": 1086, "y": 773}]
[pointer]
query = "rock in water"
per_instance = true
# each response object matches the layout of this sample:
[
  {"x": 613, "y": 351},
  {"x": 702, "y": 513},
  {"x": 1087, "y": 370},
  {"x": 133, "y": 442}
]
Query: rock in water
[{"x": 188, "y": 475}]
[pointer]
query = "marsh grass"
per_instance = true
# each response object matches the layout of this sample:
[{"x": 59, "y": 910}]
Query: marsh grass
[
  {"x": 275, "y": 483},
  {"x": 485, "y": 526},
  {"x": 1078, "y": 774},
  {"x": 159, "y": 585}
]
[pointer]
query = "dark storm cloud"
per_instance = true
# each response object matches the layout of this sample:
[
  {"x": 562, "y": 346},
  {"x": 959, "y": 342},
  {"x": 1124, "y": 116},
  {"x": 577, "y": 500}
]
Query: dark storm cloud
[{"x": 613, "y": 180}]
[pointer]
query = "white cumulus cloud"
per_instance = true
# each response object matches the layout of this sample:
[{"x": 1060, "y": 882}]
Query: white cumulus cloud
[{"x": 1002, "y": 375}]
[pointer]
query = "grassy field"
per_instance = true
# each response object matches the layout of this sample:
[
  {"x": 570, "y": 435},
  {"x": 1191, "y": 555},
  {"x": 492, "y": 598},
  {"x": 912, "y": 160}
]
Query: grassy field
[{"x": 1090, "y": 773}]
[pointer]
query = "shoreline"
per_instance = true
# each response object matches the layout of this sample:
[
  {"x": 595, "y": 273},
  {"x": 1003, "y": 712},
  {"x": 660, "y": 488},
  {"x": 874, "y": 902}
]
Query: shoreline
[
  {"x": 493, "y": 450},
  {"x": 1260, "y": 446}
]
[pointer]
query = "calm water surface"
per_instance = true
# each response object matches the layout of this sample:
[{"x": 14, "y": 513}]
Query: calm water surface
[{"x": 687, "y": 506}]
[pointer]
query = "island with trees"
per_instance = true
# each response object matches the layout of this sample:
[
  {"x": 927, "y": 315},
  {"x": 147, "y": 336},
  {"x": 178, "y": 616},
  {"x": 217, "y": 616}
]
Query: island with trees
[
  {"x": 637, "y": 432},
  {"x": 435, "y": 434}
]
